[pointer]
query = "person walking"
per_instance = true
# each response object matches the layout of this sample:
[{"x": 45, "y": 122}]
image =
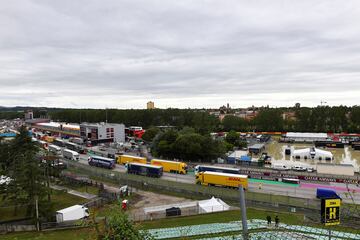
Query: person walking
[
  {"x": 277, "y": 221},
  {"x": 268, "y": 218}
]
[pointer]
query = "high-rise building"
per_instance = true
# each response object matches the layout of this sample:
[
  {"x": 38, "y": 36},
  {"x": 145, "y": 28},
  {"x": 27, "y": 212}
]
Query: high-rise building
[
  {"x": 150, "y": 105},
  {"x": 29, "y": 115}
]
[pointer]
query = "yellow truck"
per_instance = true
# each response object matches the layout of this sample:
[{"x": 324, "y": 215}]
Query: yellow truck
[
  {"x": 123, "y": 159},
  {"x": 221, "y": 179},
  {"x": 170, "y": 166},
  {"x": 49, "y": 139}
]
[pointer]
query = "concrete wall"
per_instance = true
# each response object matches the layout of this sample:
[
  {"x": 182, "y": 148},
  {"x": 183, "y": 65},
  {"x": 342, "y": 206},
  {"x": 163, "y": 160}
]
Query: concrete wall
[{"x": 335, "y": 169}]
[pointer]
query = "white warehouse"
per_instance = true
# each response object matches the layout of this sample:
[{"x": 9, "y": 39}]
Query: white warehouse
[
  {"x": 102, "y": 132},
  {"x": 305, "y": 137}
]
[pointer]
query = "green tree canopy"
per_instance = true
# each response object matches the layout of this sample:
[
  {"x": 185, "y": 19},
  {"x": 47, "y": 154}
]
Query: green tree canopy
[
  {"x": 119, "y": 227},
  {"x": 232, "y": 137},
  {"x": 150, "y": 134}
]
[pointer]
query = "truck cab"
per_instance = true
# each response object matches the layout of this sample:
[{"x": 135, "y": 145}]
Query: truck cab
[{"x": 198, "y": 177}]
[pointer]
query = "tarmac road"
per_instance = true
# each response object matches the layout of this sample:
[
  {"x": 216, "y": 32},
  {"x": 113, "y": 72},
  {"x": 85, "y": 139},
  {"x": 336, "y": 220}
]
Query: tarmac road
[{"x": 304, "y": 190}]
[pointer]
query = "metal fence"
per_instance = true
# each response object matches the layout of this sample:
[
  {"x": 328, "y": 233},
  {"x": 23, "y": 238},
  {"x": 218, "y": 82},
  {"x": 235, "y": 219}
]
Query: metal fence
[
  {"x": 5, "y": 228},
  {"x": 186, "y": 189},
  {"x": 309, "y": 207}
]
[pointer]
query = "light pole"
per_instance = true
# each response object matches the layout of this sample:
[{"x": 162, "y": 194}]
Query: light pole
[{"x": 243, "y": 213}]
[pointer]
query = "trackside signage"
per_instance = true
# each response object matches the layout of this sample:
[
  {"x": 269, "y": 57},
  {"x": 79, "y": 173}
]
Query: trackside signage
[{"x": 330, "y": 211}]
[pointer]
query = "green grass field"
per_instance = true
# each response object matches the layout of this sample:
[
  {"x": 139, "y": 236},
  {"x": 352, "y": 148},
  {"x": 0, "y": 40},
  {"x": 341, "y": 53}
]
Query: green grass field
[
  {"x": 60, "y": 199},
  {"x": 87, "y": 233}
]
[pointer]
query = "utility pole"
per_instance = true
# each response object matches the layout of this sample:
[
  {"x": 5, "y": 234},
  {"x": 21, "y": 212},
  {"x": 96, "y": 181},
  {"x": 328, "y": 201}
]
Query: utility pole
[
  {"x": 243, "y": 213},
  {"x": 37, "y": 213}
]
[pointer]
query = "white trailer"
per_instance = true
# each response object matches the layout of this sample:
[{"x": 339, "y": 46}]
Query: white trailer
[
  {"x": 72, "y": 213},
  {"x": 54, "y": 149},
  {"x": 335, "y": 169},
  {"x": 71, "y": 155}
]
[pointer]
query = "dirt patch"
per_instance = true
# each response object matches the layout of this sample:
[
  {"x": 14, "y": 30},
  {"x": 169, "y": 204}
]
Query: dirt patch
[{"x": 150, "y": 199}]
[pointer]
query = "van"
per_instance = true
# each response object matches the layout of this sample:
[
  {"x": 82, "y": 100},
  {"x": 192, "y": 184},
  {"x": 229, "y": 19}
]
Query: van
[
  {"x": 298, "y": 168},
  {"x": 280, "y": 166}
]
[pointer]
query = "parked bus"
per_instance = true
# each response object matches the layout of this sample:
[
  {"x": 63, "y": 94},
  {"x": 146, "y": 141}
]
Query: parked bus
[
  {"x": 59, "y": 142},
  {"x": 204, "y": 168},
  {"x": 144, "y": 169},
  {"x": 170, "y": 166},
  {"x": 71, "y": 155},
  {"x": 291, "y": 180},
  {"x": 74, "y": 147},
  {"x": 123, "y": 159},
  {"x": 221, "y": 179},
  {"x": 55, "y": 149},
  {"x": 101, "y": 162}
]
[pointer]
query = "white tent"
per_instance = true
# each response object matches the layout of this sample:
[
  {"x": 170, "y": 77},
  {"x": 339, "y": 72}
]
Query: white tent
[
  {"x": 212, "y": 205},
  {"x": 312, "y": 153}
]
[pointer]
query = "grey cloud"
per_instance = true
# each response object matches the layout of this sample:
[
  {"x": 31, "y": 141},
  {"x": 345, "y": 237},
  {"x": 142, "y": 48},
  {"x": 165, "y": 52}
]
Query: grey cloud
[{"x": 185, "y": 53}]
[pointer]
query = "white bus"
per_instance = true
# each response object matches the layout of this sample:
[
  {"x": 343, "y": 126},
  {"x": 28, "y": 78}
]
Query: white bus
[
  {"x": 54, "y": 149},
  {"x": 71, "y": 155}
]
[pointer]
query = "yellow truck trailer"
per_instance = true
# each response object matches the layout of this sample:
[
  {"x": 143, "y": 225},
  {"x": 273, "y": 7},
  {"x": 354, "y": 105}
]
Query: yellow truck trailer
[
  {"x": 221, "y": 179},
  {"x": 49, "y": 139},
  {"x": 170, "y": 166},
  {"x": 123, "y": 159}
]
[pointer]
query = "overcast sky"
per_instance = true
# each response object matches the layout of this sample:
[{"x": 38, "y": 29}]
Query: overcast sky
[{"x": 116, "y": 53}]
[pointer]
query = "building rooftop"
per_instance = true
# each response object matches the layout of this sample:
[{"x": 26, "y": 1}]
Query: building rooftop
[
  {"x": 57, "y": 125},
  {"x": 99, "y": 124},
  {"x": 306, "y": 135},
  {"x": 257, "y": 146}
]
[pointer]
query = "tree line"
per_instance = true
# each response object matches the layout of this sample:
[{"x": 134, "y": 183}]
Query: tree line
[{"x": 317, "y": 119}]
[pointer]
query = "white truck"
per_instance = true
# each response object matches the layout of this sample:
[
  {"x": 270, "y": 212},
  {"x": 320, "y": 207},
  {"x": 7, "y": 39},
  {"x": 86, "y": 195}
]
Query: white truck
[
  {"x": 71, "y": 155},
  {"x": 72, "y": 213},
  {"x": 54, "y": 149}
]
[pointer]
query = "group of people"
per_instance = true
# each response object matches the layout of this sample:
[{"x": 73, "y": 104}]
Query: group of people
[{"x": 268, "y": 218}]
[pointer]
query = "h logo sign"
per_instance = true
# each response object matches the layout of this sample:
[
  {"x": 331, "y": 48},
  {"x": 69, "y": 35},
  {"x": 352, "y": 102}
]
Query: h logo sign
[{"x": 332, "y": 213}]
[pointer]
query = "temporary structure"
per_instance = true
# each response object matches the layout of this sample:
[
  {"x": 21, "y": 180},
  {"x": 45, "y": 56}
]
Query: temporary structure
[{"x": 212, "y": 205}]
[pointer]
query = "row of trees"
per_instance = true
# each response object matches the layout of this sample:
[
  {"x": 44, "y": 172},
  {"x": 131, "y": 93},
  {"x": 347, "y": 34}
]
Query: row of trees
[
  {"x": 199, "y": 120},
  {"x": 318, "y": 119}
]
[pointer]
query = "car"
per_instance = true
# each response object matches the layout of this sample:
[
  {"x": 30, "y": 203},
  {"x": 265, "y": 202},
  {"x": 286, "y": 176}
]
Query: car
[
  {"x": 310, "y": 169},
  {"x": 299, "y": 168}
]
